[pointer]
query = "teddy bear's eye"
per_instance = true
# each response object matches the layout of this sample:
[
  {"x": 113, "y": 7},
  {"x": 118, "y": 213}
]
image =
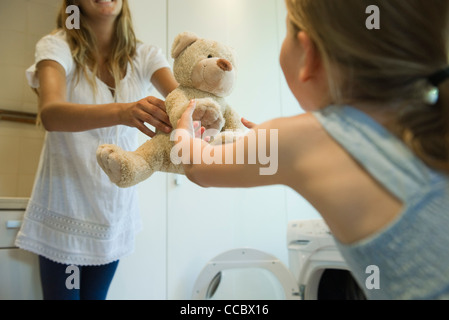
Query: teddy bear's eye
[{"x": 210, "y": 56}]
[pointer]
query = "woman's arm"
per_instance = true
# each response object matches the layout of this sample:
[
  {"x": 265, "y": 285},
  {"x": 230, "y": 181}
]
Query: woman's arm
[
  {"x": 59, "y": 115},
  {"x": 164, "y": 81}
]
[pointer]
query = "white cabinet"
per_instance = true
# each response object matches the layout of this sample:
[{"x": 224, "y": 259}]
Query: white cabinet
[
  {"x": 203, "y": 223},
  {"x": 19, "y": 271},
  {"x": 142, "y": 275},
  {"x": 19, "y": 275}
]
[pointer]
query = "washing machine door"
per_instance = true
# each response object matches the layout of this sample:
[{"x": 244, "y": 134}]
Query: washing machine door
[{"x": 245, "y": 274}]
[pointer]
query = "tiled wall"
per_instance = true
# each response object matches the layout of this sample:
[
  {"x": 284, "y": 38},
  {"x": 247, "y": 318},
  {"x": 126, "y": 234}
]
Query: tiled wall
[
  {"x": 22, "y": 24},
  {"x": 20, "y": 148}
]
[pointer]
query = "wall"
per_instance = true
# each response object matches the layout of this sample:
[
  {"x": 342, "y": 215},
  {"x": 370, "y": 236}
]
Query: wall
[
  {"x": 212, "y": 221},
  {"x": 20, "y": 147},
  {"x": 22, "y": 24},
  {"x": 143, "y": 275}
]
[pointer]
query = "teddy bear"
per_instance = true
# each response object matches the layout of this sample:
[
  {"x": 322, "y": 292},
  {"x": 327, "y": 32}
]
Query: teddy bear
[{"x": 206, "y": 71}]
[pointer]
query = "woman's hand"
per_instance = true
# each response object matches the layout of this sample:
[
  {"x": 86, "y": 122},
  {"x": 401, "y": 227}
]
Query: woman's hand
[{"x": 149, "y": 110}]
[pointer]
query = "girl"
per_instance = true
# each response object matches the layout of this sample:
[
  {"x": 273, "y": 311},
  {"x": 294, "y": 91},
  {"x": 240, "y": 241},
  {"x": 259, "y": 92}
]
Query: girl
[
  {"x": 92, "y": 84},
  {"x": 371, "y": 153}
]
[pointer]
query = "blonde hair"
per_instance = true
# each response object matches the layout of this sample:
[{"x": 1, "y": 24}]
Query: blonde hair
[
  {"x": 388, "y": 66},
  {"x": 83, "y": 44}
]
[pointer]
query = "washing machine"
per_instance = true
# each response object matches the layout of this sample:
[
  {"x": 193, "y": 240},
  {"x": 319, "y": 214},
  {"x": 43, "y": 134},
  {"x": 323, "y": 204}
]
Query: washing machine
[
  {"x": 316, "y": 270},
  {"x": 317, "y": 265},
  {"x": 245, "y": 274}
]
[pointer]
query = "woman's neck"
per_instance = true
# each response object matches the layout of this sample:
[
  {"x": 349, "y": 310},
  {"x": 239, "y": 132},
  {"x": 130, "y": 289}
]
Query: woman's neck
[{"x": 104, "y": 33}]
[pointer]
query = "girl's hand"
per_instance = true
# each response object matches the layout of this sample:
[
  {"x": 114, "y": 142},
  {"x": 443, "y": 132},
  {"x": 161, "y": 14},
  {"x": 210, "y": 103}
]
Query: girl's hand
[
  {"x": 149, "y": 110},
  {"x": 186, "y": 122},
  {"x": 248, "y": 124}
]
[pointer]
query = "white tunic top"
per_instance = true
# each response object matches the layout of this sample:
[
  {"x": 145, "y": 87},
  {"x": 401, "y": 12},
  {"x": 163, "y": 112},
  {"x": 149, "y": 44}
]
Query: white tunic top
[{"x": 76, "y": 215}]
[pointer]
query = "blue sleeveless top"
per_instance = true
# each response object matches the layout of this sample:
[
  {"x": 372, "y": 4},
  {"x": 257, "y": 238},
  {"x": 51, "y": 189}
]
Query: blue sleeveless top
[{"x": 410, "y": 256}]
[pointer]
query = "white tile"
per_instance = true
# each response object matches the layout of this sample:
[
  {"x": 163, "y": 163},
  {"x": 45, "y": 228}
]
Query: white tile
[
  {"x": 7, "y": 129},
  {"x": 9, "y": 156},
  {"x": 9, "y": 104},
  {"x": 30, "y": 98},
  {"x": 30, "y": 47},
  {"x": 30, "y": 107},
  {"x": 30, "y": 151},
  {"x": 8, "y": 185},
  {"x": 25, "y": 185},
  {"x": 11, "y": 84},
  {"x": 13, "y": 15},
  {"x": 50, "y": 3},
  {"x": 10, "y": 129},
  {"x": 13, "y": 47},
  {"x": 41, "y": 18}
]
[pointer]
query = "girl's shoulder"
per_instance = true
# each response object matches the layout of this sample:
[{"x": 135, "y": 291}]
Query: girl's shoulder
[
  {"x": 302, "y": 146},
  {"x": 299, "y": 134}
]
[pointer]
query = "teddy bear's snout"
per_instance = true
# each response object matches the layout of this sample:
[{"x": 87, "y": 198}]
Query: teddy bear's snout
[{"x": 224, "y": 65}]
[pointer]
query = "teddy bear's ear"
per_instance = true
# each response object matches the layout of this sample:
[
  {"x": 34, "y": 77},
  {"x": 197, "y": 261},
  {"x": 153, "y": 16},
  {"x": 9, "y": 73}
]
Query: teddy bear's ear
[{"x": 182, "y": 41}]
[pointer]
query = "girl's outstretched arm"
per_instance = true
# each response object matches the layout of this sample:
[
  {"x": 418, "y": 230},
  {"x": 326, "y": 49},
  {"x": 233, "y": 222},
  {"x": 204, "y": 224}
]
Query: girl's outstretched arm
[{"x": 252, "y": 160}]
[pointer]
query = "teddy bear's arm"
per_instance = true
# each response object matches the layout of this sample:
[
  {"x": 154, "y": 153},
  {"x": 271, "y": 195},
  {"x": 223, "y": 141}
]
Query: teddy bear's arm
[
  {"x": 207, "y": 110},
  {"x": 175, "y": 104}
]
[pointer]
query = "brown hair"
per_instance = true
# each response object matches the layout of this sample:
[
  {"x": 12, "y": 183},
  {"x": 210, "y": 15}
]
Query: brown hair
[
  {"x": 84, "y": 47},
  {"x": 388, "y": 66}
]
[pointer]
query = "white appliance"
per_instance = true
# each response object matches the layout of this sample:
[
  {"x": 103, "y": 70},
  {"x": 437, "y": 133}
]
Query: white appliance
[
  {"x": 19, "y": 271},
  {"x": 316, "y": 263},
  {"x": 316, "y": 270},
  {"x": 245, "y": 274}
]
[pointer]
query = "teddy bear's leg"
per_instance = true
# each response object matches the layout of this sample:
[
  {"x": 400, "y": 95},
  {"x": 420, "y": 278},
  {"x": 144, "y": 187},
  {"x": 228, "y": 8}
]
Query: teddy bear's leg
[
  {"x": 124, "y": 168},
  {"x": 158, "y": 156}
]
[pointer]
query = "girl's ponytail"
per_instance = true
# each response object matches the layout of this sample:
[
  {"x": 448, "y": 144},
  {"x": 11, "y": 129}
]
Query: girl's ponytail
[{"x": 426, "y": 130}]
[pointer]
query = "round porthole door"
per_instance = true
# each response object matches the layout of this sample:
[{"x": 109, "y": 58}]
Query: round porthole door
[{"x": 245, "y": 274}]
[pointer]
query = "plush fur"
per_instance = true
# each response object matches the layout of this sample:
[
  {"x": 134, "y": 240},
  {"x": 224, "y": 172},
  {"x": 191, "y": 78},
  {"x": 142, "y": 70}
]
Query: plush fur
[{"x": 205, "y": 70}]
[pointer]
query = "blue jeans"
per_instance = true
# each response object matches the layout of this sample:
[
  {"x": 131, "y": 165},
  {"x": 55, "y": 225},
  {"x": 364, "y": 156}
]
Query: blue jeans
[{"x": 64, "y": 282}]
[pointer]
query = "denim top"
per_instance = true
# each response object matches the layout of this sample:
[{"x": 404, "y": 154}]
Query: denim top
[{"x": 411, "y": 254}]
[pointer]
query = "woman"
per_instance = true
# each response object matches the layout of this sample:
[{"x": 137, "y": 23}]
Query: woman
[{"x": 92, "y": 84}]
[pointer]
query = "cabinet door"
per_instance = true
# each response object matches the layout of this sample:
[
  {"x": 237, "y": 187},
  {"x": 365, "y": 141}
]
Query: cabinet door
[
  {"x": 203, "y": 223},
  {"x": 19, "y": 275}
]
